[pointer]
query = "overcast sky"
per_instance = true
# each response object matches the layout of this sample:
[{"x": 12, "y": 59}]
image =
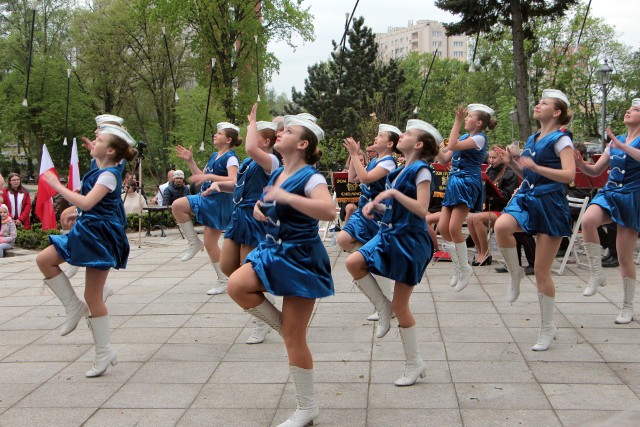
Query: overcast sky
[{"x": 329, "y": 17}]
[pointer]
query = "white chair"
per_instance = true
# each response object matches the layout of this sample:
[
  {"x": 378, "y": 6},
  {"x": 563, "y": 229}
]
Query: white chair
[{"x": 574, "y": 202}]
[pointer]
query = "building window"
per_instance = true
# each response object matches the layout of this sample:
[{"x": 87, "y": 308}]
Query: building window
[
  {"x": 457, "y": 44},
  {"x": 436, "y": 44},
  {"x": 436, "y": 33},
  {"x": 458, "y": 54}
]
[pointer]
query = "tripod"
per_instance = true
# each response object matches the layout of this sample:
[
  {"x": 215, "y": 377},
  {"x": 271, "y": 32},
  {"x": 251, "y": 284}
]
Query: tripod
[{"x": 140, "y": 147}]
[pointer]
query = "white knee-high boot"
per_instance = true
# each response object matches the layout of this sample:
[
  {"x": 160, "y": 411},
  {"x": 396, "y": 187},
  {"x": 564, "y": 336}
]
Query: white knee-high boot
[
  {"x": 511, "y": 260},
  {"x": 414, "y": 366},
  {"x": 370, "y": 288},
  {"x": 74, "y": 307},
  {"x": 195, "y": 245},
  {"x": 386, "y": 286},
  {"x": 221, "y": 284},
  {"x": 626, "y": 313},
  {"x": 548, "y": 329},
  {"x": 268, "y": 313},
  {"x": 307, "y": 409},
  {"x": 598, "y": 278},
  {"x": 450, "y": 247},
  {"x": 105, "y": 355},
  {"x": 465, "y": 269},
  {"x": 261, "y": 328}
]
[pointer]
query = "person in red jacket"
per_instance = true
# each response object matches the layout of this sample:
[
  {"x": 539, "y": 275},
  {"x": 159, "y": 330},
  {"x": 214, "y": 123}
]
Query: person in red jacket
[{"x": 17, "y": 199}]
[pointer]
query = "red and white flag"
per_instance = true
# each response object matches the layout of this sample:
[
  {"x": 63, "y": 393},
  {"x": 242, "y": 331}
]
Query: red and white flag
[
  {"x": 74, "y": 182},
  {"x": 44, "y": 200}
]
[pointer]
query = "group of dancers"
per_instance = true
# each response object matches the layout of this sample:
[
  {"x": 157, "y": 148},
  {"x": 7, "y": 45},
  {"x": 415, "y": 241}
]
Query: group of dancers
[{"x": 271, "y": 215}]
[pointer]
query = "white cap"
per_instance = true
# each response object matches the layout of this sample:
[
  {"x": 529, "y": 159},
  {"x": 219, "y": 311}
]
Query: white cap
[
  {"x": 227, "y": 125},
  {"x": 308, "y": 116},
  {"x": 109, "y": 118},
  {"x": 299, "y": 121},
  {"x": 481, "y": 107},
  {"x": 119, "y": 132},
  {"x": 178, "y": 174},
  {"x": 267, "y": 125},
  {"x": 422, "y": 125},
  {"x": 555, "y": 93},
  {"x": 389, "y": 128},
  {"x": 635, "y": 102}
]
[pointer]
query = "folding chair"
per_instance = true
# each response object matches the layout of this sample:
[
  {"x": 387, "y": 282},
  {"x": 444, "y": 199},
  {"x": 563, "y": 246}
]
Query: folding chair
[
  {"x": 574, "y": 202},
  {"x": 333, "y": 222}
]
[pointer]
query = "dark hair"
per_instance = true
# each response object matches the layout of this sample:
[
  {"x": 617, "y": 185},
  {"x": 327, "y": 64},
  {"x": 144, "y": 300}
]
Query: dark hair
[
  {"x": 132, "y": 184},
  {"x": 313, "y": 153},
  {"x": 20, "y": 188},
  {"x": 122, "y": 149},
  {"x": 487, "y": 120},
  {"x": 394, "y": 137},
  {"x": 581, "y": 148},
  {"x": 565, "y": 115},
  {"x": 236, "y": 140},
  {"x": 269, "y": 134},
  {"x": 429, "y": 146}
]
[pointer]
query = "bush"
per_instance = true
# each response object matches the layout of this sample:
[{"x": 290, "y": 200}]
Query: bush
[
  {"x": 132, "y": 221},
  {"x": 36, "y": 238}
]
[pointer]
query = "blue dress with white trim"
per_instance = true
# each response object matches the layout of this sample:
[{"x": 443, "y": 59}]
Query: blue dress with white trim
[
  {"x": 97, "y": 239},
  {"x": 541, "y": 205},
  {"x": 360, "y": 227},
  {"x": 292, "y": 260},
  {"x": 465, "y": 178},
  {"x": 214, "y": 210},
  {"x": 244, "y": 229},
  {"x": 402, "y": 248},
  {"x": 620, "y": 197}
]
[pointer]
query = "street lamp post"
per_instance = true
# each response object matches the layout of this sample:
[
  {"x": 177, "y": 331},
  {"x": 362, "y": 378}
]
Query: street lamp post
[
  {"x": 605, "y": 78},
  {"x": 513, "y": 115}
]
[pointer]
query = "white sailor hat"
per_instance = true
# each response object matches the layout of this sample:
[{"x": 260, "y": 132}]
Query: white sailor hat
[
  {"x": 481, "y": 107},
  {"x": 389, "y": 128},
  {"x": 635, "y": 102},
  {"x": 109, "y": 118},
  {"x": 308, "y": 116},
  {"x": 227, "y": 125},
  {"x": 267, "y": 125},
  {"x": 555, "y": 93},
  {"x": 299, "y": 121},
  {"x": 422, "y": 125},
  {"x": 119, "y": 132}
]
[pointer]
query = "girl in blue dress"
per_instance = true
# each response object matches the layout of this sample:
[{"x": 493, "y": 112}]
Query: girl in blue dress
[
  {"x": 464, "y": 187},
  {"x": 402, "y": 248},
  {"x": 291, "y": 261},
  {"x": 97, "y": 241},
  {"x": 212, "y": 209},
  {"x": 244, "y": 231},
  {"x": 618, "y": 202},
  {"x": 540, "y": 206}
]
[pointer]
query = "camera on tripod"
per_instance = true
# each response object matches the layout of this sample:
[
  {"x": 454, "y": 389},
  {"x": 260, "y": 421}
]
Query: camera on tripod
[{"x": 141, "y": 145}]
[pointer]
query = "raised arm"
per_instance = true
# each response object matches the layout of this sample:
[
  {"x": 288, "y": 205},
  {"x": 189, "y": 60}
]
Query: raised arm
[
  {"x": 365, "y": 177},
  {"x": 253, "y": 149}
]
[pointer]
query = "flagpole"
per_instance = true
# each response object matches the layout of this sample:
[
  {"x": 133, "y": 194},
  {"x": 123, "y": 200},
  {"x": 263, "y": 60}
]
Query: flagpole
[
  {"x": 33, "y": 22},
  {"x": 206, "y": 114},
  {"x": 424, "y": 85},
  {"x": 257, "y": 67},
  {"x": 66, "y": 118},
  {"x": 173, "y": 80}
]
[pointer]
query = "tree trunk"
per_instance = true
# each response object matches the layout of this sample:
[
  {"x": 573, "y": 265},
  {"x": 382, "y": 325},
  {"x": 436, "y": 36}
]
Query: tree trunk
[{"x": 520, "y": 66}]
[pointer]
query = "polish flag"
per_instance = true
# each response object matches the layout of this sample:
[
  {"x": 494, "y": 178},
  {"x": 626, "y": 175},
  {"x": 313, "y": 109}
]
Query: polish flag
[
  {"x": 73, "y": 183},
  {"x": 44, "y": 200}
]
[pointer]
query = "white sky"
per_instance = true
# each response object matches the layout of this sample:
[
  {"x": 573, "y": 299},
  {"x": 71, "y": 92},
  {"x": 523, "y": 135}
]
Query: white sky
[{"x": 329, "y": 18}]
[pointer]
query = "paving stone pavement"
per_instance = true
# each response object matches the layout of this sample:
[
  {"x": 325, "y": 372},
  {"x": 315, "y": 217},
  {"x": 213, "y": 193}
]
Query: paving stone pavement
[{"x": 183, "y": 360}]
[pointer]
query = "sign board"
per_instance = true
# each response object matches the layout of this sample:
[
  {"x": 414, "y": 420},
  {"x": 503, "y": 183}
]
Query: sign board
[{"x": 346, "y": 192}]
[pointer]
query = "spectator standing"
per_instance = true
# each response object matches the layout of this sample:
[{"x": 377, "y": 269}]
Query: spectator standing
[
  {"x": 17, "y": 199},
  {"x": 175, "y": 189}
]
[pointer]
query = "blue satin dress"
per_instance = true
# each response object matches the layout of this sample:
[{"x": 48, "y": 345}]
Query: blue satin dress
[
  {"x": 214, "y": 210},
  {"x": 244, "y": 229},
  {"x": 620, "y": 197},
  {"x": 359, "y": 227},
  {"x": 292, "y": 260},
  {"x": 540, "y": 205},
  {"x": 98, "y": 239},
  {"x": 465, "y": 178},
  {"x": 402, "y": 248}
]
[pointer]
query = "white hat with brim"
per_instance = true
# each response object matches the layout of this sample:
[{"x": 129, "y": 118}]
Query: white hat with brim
[
  {"x": 267, "y": 125},
  {"x": 298, "y": 121},
  {"x": 635, "y": 102},
  {"x": 389, "y": 128},
  {"x": 557, "y": 94},
  {"x": 308, "y": 116},
  {"x": 481, "y": 107},
  {"x": 178, "y": 174},
  {"x": 424, "y": 126},
  {"x": 227, "y": 125},
  {"x": 109, "y": 119},
  {"x": 119, "y": 132}
]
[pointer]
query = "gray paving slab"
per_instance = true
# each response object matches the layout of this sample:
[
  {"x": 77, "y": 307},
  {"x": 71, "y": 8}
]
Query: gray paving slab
[{"x": 184, "y": 361}]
